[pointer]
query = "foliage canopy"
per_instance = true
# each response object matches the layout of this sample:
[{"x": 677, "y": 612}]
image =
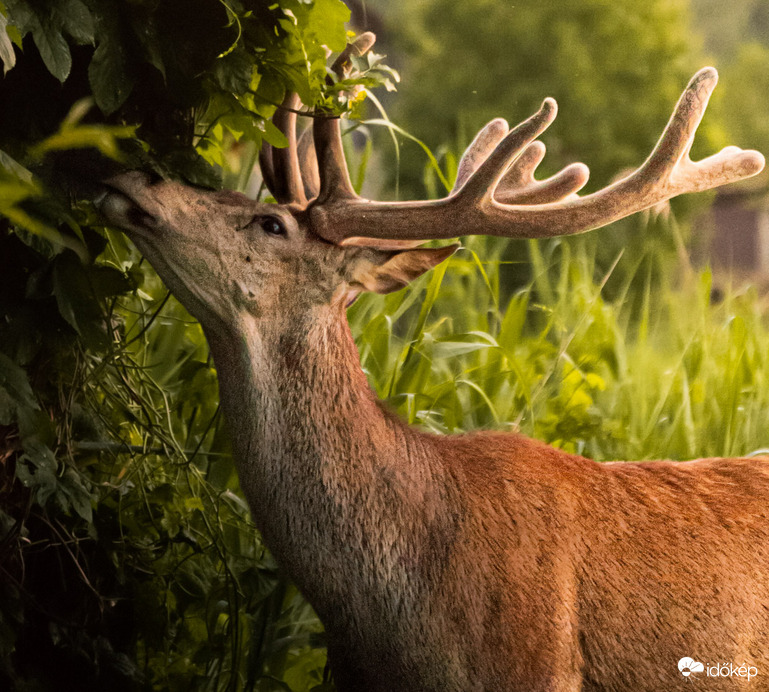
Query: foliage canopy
[{"x": 128, "y": 559}]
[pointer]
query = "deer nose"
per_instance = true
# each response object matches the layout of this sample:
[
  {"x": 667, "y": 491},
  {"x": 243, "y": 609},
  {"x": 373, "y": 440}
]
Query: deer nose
[
  {"x": 146, "y": 178},
  {"x": 137, "y": 179},
  {"x": 132, "y": 183}
]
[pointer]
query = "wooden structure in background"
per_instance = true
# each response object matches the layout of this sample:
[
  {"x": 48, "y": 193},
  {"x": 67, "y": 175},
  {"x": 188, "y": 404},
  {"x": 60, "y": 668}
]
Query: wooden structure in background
[{"x": 739, "y": 230}]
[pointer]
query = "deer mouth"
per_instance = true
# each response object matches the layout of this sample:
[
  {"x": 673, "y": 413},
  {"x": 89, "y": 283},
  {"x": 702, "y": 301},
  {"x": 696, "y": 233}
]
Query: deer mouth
[
  {"x": 119, "y": 206},
  {"x": 120, "y": 210}
]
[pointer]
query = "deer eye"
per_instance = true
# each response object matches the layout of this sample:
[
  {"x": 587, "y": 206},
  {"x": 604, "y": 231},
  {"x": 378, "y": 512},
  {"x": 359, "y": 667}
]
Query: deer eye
[{"x": 272, "y": 226}]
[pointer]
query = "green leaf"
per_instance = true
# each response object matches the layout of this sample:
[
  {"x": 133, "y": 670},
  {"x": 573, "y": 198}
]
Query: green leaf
[
  {"x": 21, "y": 15},
  {"x": 108, "y": 74},
  {"x": 7, "y": 53},
  {"x": 101, "y": 137},
  {"x": 73, "y": 494},
  {"x": 108, "y": 282},
  {"x": 233, "y": 71},
  {"x": 326, "y": 23},
  {"x": 76, "y": 20},
  {"x": 452, "y": 349},
  {"x": 53, "y": 49},
  {"x": 192, "y": 167},
  {"x": 109, "y": 77},
  {"x": 272, "y": 135},
  {"x": 15, "y": 388},
  {"x": 15, "y": 169},
  {"x": 511, "y": 329},
  {"x": 146, "y": 31},
  {"x": 192, "y": 579},
  {"x": 16, "y": 186},
  {"x": 78, "y": 303},
  {"x": 192, "y": 503},
  {"x": 72, "y": 135},
  {"x": 7, "y": 408},
  {"x": 37, "y": 469}
]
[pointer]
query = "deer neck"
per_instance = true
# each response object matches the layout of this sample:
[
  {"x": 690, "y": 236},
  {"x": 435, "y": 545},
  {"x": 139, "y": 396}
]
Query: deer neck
[
  {"x": 329, "y": 474},
  {"x": 296, "y": 400}
]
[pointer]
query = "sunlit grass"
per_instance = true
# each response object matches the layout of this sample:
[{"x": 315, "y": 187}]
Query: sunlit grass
[{"x": 661, "y": 373}]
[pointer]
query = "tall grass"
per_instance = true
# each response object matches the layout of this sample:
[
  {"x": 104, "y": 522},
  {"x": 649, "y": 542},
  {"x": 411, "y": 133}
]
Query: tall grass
[{"x": 657, "y": 370}]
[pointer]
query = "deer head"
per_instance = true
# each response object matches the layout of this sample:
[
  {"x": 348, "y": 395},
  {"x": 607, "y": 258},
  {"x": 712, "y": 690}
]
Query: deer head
[{"x": 224, "y": 255}]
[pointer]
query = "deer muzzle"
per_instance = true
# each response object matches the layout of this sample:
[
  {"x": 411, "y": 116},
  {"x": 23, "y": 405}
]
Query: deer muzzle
[{"x": 119, "y": 202}]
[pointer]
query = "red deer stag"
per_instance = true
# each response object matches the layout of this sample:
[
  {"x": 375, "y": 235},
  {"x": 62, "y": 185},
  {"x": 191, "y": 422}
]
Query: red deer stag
[{"x": 484, "y": 561}]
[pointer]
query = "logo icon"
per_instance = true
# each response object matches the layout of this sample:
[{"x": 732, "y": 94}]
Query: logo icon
[{"x": 687, "y": 666}]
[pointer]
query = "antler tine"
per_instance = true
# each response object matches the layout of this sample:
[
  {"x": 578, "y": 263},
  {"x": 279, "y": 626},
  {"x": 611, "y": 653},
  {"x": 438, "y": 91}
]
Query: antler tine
[
  {"x": 485, "y": 205},
  {"x": 266, "y": 167},
  {"x": 480, "y": 186},
  {"x": 285, "y": 177},
  {"x": 335, "y": 183},
  {"x": 308, "y": 164},
  {"x": 519, "y": 186},
  {"x": 484, "y": 143},
  {"x": 334, "y": 176},
  {"x": 360, "y": 46}
]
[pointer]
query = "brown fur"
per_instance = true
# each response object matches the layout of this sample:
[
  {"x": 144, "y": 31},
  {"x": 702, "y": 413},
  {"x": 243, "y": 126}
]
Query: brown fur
[{"x": 476, "y": 562}]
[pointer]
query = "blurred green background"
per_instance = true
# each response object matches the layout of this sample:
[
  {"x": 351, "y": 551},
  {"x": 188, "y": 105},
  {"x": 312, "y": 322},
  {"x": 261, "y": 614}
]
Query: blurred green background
[
  {"x": 127, "y": 557},
  {"x": 614, "y": 68}
]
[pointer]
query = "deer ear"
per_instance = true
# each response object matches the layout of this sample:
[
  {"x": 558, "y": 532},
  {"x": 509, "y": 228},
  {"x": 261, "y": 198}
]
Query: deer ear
[{"x": 385, "y": 272}]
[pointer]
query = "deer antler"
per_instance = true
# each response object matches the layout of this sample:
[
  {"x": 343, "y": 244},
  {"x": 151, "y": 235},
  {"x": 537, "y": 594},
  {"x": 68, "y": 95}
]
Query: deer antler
[
  {"x": 496, "y": 193},
  {"x": 280, "y": 166},
  {"x": 291, "y": 173}
]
